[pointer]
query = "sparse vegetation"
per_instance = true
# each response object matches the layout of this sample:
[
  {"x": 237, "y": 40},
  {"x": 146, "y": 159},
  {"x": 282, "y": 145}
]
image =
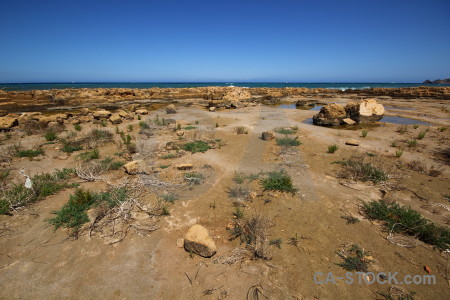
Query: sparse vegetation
[
  {"x": 398, "y": 153},
  {"x": 194, "y": 178},
  {"x": 77, "y": 127},
  {"x": 103, "y": 123},
  {"x": 353, "y": 259},
  {"x": 43, "y": 185},
  {"x": 238, "y": 192},
  {"x": 144, "y": 125},
  {"x": 402, "y": 129},
  {"x": 238, "y": 213},
  {"x": 394, "y": 144},
  {"x": 357, "y": 169},
  {"x": 405, "y": 220},
  {"x": 168, "y": 156},
  {"x": 276, "y": 242},
  {"x": 197, "y": 146},
  {"x": 169, "y": 197},
  {"x": 29, "y": 153},
  {"x": 239, "y": 177},
  {"x": 332, "y": 148},
  {"x": 89, "y": 155},
  {"x": 350, "y": 219},
  {"x": 411, "y": 143},
  {"x": 421, "y": 135},
  {"x": 442, "y": 129},
  {"x": 50, "y": 135},
  {"x": 189, "y": 127},
  {"x": 278, "y": 181},
  {"x": 364, "y": 132},
  {"x": 288, "y": 141},
  {"x": 415, "y": 126},
  {"x": 241, "y": 130},
  {"x": 286, "y": 131}
]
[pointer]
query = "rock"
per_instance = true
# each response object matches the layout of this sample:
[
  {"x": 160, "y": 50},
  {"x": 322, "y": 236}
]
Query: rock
[
  {"x": 171, "y": 109},
  {"x": 124, "y": 114},
  {"x": 8, "y": 122},
  {"x": 142, "y": 111},
  {"x": 236, "y": 94},
  {"x": 180, "y": 243},
  {"x": 306, "y": 104},
  {"x": 197, "y": 240},
  {"x": 115, "y": 119},
  {"x": 185, "y": 167},
  {"x": 348, "y": 121},
  {"x": 3, "y": 113},
  {"x": 53, "y": 125},
  {"x": 135, "y": 167},
  {"x": 57, "y": 118},
  {"x": 212, "y": 109},
  {"x": 352, "y": 142},
  {"x": 101, "y": 114},
  {"x": 365, "y": 111},
  {"x": 267, "y": 135},
  {"x": 330, "y": 115}
]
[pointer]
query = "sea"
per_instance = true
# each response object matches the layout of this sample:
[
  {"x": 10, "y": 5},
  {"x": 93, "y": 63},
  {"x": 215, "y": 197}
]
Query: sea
[{"x": 145, "y": 85}]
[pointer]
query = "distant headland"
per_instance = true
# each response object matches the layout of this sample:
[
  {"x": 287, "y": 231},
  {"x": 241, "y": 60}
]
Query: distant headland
[{"x": 438, "y": 81}]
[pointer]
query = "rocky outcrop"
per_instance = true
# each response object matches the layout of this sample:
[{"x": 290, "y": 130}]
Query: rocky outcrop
[
  {"x": 197, "y": 240},
  {"x": 102, "y": 114},
  {"x": 8, "y": 122},
  {"x": 115, "y": 119},
  {"x": 361, "y": 112},
  {"x": 135, "y": 167},
  {"x": 365, "y": 111},
  {"x": 438, "y": 81},
  {"x": 267, "y": 135},
  {"x": 330, "y": 115},
  {"x": 236, "y": 94}
]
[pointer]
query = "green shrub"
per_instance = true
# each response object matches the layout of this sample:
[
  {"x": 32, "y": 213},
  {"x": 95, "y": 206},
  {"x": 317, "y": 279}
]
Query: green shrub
[
  {"x": 405, "y": 220},
  {"x": 50, "y": 135},
  {"x": 144, "y": 125},
  {"x": 189, "y": 128},
  {"x": 411, "y": 143},
  {"x": 398, "y": 153},
  {"x": 333, "y": 148},
  {"x": 77, "y": 127},
  {"x": 197, "y": 146},
  {"x": 355, "y": 260},
  {"x": 168, "y": 156},
  {"x": 239, "y": 178},
  {"x": 70, "y": 148},
  {"x": 421, "y": 135},
  {"x": 286, "y": 131},
  {"x": 364, "y": 132},
  {"x": 29, "y": 153},
  {"x": 288, "y": 141},
  {"x": 103, "y": 123},
  {"x": 238, "y": 213},
  {"x": 73, "y": 214},
  {"x": 130, "y": 127},
  {"x": 442, "y": 129},
  {"x": 89, "y": 155},
  {"x": 109, "y": 164},
  {"x": 278, "y": 181},
  {"x": 169, "y": 197},
  {"x": 238, "y": 192}
]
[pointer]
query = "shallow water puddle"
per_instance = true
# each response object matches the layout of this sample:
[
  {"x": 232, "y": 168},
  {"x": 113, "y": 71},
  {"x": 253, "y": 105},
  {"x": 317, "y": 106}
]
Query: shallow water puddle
[{"x": 402, "y": 121}]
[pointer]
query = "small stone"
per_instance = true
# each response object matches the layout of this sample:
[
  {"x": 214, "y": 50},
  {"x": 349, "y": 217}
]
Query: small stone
[
  {"x": 212, "y": 109},
  {"x": 197, "y": 240},
  {"x": 368, "y": 258},
  {"x": 180, "y": 133},
  {"x": 180, "y": 243},
  {"x": 142, "y": 111},
  {"x": 139, "y": 215},
  {"x": 267, "y": 135},
  {"x": 352, "y": 142},
  {"x": 349, "y": 121},
  {"x": 185, "y": 167}
]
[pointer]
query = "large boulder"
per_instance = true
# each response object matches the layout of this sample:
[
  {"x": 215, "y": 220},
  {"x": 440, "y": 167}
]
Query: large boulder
[
  {"x": 135, "y": 167},
  {"x": 102, "y": 114},
  {"x": 115, "y": 119},
  {"x": 8, "y": 122},
  {"x": 330, "y": 115},
  {"x": 365, "y": 111},
  {"x": 197, "y": 240},
  {"x": 171, "y": 109}
]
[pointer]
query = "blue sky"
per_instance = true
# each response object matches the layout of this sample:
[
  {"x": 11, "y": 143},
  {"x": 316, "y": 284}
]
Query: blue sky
[{"x": 302, "y": 41}]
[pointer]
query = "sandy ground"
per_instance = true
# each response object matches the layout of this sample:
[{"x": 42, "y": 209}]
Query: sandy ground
[{"x": 37, "y": 262}]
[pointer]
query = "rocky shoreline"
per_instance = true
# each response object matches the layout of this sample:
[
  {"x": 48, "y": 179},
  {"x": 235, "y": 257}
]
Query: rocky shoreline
[{"x": 11, "y": 101}]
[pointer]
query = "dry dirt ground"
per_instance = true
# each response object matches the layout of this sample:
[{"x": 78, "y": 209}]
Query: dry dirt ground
[{"x": 37, "y": 262}]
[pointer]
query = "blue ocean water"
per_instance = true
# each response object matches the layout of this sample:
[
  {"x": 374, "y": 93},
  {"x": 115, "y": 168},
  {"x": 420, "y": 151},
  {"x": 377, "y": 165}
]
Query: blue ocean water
[{"x": 146, "y": 85}]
